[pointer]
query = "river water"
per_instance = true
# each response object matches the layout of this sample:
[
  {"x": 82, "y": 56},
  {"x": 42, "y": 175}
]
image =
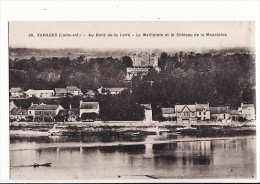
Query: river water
[{"x": 230, "y": 158}]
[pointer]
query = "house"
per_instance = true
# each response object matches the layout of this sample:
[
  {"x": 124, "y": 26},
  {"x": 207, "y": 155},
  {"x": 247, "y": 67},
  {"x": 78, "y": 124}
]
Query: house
[
  {"x": 115, "y": 91},
  {"x": 90, "y": 94},
  {"x": 39, "y": 93},
  {"x": 43, "y": 112},
  {"x": 88, "y": 109},
  {"x": 148, "y": 112},
  {"x": 247, "y": 111},
  {"x": 12, "y": 105},
  {"x": 234, "y": 114},
  {"x": 29, "y": 93},
  {"x": 220, "y": 113},
  {"x": 168, "y": 113},
  {"x": 74, "y": 90},
  {"x": 112, "y": 91},
  {"x": 44, "y": 93},
  {"x": 185, "y": 113},
  {"x": 60, "y": 92},
  {"x": 203, "y": 112},
  {"x": 16, "y": 92},
  {"x": 131, "y": 72},
  {"x": 70, "y": 115},
  {"x": 18, "y": 114}
]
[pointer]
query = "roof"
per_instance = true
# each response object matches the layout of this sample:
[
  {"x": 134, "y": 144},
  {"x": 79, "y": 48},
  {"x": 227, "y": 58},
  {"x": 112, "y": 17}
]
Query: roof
[
  {"x": 218, "y": 110},
  {"x": 43, "y": 107},
  {"x": 180, "y": 108},
  {"x": 30, "y": 91},
  {"x": 233, "y": 112},
  {"x": 90, "y": 92},
  {"x": 17, "y": 111},
  {"x": 73, "y": 88},
  {"x": 245, "y": 106},
  {"x": 116, "y": 89},
  {"x": 89, "y": 105},
  {"x": 147, "y": 106},
  {"x": 201, "y": 107},
  {"x": 44, "y": 91},
  {"x": 16, "y": 90},
  {"x": 168, "y": 110},
  {"x": 60, "y": 90}
]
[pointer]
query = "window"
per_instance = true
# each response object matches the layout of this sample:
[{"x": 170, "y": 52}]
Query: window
[
  {"x": 30, "y": 112},
  {"x": 204, "y": 113},
  {"x": 199, "y": 113}
]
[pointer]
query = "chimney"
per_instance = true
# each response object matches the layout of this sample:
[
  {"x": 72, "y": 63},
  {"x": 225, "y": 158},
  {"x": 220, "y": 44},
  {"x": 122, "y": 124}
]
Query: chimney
[
  {"x": 32, "y": 104},
  {"x": 70, "y": 106}
]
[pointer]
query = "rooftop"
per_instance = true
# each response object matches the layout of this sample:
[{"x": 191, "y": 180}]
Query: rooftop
[
  {"x": 89, "y": 105},
  {"x": 60, "y": 90},
  {"x": 168, "y": 110},
  {"x": 201, "y": 107},
  {"x": 17, "y": 111},
  {"x": 16, "y": 90},
  {"x": 73, "y": 88},
  {"x": 43, "y": 107},
  {"x": 180, "y": 108}
]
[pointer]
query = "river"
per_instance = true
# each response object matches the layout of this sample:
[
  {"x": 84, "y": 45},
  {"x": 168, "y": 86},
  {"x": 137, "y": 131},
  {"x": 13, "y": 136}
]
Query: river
[{"x": 229, "y": 158}]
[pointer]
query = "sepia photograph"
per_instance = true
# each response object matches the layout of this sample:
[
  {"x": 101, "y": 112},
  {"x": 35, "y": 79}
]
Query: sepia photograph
[{"x": 132, "y": 100}]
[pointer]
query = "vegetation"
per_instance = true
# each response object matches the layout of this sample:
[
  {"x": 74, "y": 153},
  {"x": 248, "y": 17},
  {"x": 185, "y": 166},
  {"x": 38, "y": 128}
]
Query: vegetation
[{"x": 185, "y": 78}]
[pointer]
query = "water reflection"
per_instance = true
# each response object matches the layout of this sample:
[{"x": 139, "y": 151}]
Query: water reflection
[{"x": 196, "y": 159}]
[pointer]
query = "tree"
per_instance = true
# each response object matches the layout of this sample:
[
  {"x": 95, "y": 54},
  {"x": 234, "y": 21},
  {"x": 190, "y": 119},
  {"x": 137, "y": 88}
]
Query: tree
[{"x": 127, "y": 61}]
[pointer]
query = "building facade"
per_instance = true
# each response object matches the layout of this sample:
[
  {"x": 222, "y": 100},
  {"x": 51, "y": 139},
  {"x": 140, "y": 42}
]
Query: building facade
[
  {"x": 203, "y": 112},
  {"x": 185, "y": 113},
  {"x": 43, "y": 112}
]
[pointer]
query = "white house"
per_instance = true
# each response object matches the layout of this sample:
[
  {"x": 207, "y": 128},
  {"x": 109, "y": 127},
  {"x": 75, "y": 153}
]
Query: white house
[
  {"x": 16, "y": 92},
  {"x": 203, "y": 112},
  {"x": 74, "y": 90},
  {"x": 44, "y": 93},
  {"x": 185, "y": 113},
  {"x": 30, "y": 93},
  {"x": 247, "y": 111},
  {"x": 88, "y": 107},
  {"x": 43, "y": 112}
]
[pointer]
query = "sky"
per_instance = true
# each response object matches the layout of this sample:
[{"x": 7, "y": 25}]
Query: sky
[{"x": 239, "y": 34}]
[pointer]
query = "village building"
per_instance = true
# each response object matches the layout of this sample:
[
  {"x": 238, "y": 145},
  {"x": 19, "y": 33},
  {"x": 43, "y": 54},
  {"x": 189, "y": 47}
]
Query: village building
[
  {"x": 29, "y": 93},
  {"x": 16, "y": 92},
  {"x": 203, "y": 112},
  {"x": 39, "y": 93},
  {"x": 44, "y": 93},
  {"x": 148, "y": 113},
  {"x": 43, "y": 112},
  {"x": 247, "y": 111},
  {"x": 168, "y": 114},
  {"x": 12, "y": 105},
  {"x": 18, "y": 114},
  {"x": 185, "y": 113},
  {"x": 88, "y": 110},
  {"x": 90, "y": 94},
  {"x": 140, "y": 71},
  {"x": 74, "y": 90},
  {"x": 60, "y": 92},
  {"x": 69, "y": 115},
  {"x": 145, "y": 59},
  {"x": 220, "y": 113},
  {"x": 112, "y": 91}
]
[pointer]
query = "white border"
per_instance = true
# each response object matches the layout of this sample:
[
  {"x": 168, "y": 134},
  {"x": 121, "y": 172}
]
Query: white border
[{"x": 57, "y": 10}]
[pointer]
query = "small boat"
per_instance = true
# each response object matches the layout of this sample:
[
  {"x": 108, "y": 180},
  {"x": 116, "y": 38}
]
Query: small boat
[
  {"x": 135, "y": 133},
  {"x": 43, "y": 165}
]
